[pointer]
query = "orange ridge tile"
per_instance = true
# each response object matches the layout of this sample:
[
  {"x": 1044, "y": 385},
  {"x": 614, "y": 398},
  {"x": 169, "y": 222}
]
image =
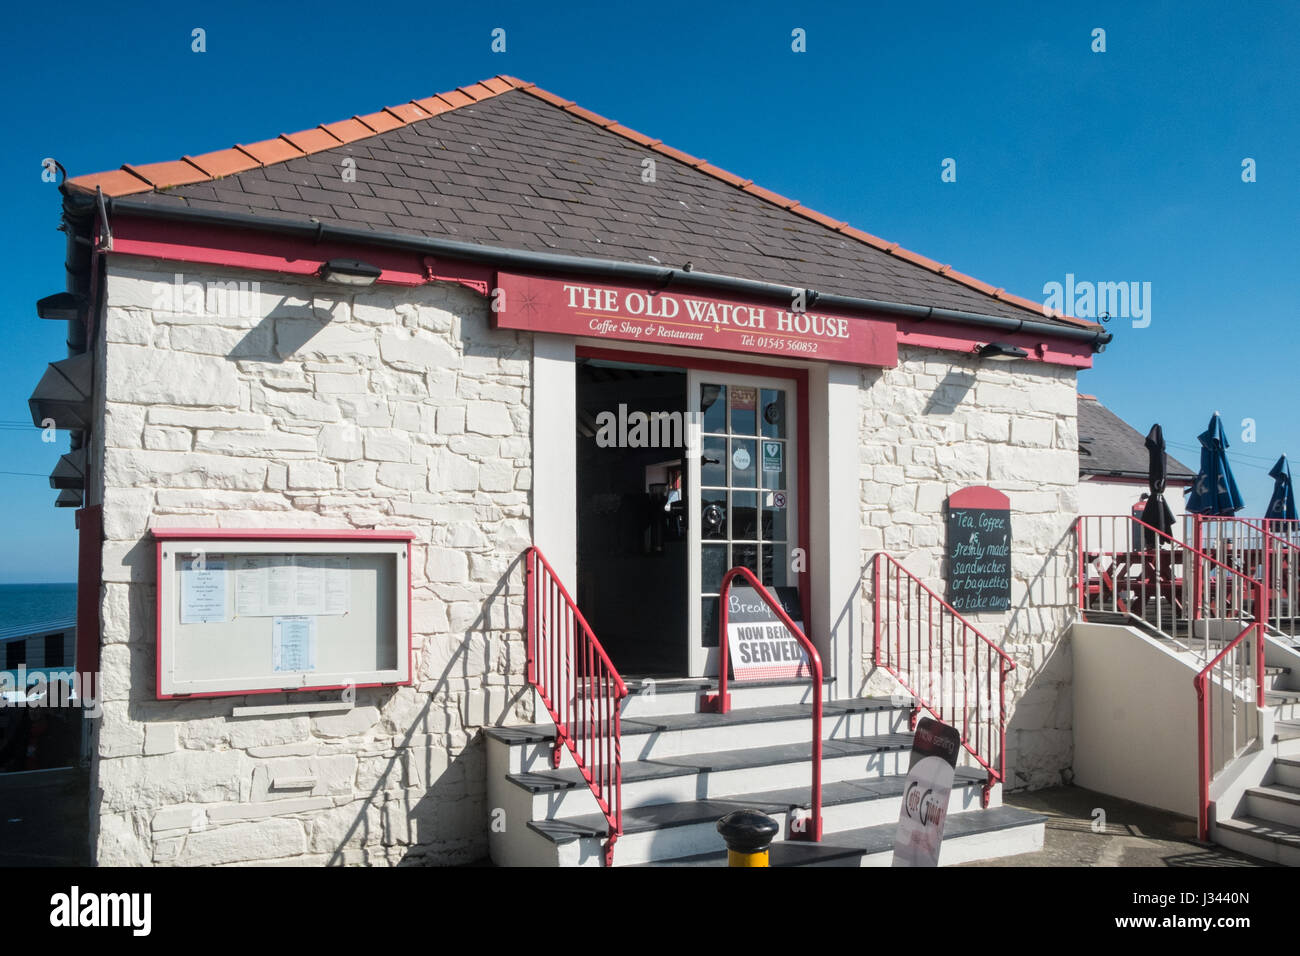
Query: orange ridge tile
[
  {"x": 432, "y": 105},
  {"x": 775, "y": 198},
  {"x": 348, "y": 130},
  {"x": 678, "y": 155},
  {"x": 917, "y": 258},
  {"x": 407, "y": 112},
  {"x": 628, "y": 133},
  {"x": 455, "y": 99},
  {"x": 115, "y": 182},
  {"x": 311, "y": 140},
  {"x": 717, "y": 172},
  {"x": 223, "y": 162},
  {"x": 551, "y": 98},
  {"x": 270, "y": 151},
  {"x": 498, "y": 84},
  {"x": 818, "y": 217},
  {"x": 476, "y": 91},
  {"x": 515, "y": 81},
  {"x": 589, "y": 116},
  {"x": 172, "y": 172},
  {"x": 380, "y": 122},
  {"x": 971, "y": 281}
]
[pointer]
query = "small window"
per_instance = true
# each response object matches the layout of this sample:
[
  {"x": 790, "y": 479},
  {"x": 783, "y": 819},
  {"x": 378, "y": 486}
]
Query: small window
[
  {"x": 54, "y": 650},
  {"x": 15, "y": 655}
]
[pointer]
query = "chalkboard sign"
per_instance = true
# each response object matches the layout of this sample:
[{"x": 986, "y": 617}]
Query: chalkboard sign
[
  {"x": 760, "y": 646},
  {"x": 979, "y": 550}
]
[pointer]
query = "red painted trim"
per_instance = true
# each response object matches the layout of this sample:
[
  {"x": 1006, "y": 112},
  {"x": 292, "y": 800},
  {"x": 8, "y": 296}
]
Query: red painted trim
[
  {"x": 286, "y": 534},
  {"x": 266, "y": 252},
  {"x": 979, "y": 496},
  {"x": 162, "y": 535},
  {"x": 90, "y": 568},
  {"x": 949, "y": 337}
]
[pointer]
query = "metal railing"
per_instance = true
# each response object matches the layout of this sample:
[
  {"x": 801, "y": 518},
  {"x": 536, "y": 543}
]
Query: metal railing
[
  {"x": 1229, "y": 696},
  {"x": 944, "y": 662},
  {"x": 1265, "y": 549},
  {"x": 721, "y": 702},
  {"x": 580, "y": 687},
  {"x": 1193, "y": 599}
]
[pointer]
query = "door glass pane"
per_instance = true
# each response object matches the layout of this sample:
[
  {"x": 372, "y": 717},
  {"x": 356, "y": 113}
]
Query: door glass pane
[
  {"x": 776, "y": 569},
  {"x": 744, "y": 515},
  {"x": 744, "y": 410},
  {"x": 745, "y": 556},
  {"x": 772, "y": 413},
  {"x": 713, "y": 464},
  {"x": 713, "y": 515},
  {"x": 713, "y": 407},
  {"x": 713, "y": 567},
  {"x": 709, "y": 621},
  {"x": 744, "y": 469},
  {"x": 773, "y": 519}
]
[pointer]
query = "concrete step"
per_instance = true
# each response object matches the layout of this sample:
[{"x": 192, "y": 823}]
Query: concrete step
[
  {"x": 1254, "y": 836},
  {"x": 1286, "y": 730},
  {"x": 564, "y": 792},
  {"x": 989, "y": 834},
  {"x": 649, "y": 697},
  {"x": 670, "y": 735},
  {"x": 1276, "y": 803},
  {"x": 1286, "y": 771},
  {"x": 846, "y": 805}
]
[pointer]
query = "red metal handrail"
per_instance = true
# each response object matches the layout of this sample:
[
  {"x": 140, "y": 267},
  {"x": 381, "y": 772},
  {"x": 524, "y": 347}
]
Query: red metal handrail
[
  {"x": 1205, "y": 766},
  {"x": 580, "y": 687},
  {"x": 721, "y": 702},
  {"x": 899, "y": 611}
]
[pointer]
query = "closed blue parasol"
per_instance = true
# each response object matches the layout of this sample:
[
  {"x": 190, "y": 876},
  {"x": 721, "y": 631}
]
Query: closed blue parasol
[
  {"x": 1215, "y": 491},
  {"x": 1282, "y": 504}
]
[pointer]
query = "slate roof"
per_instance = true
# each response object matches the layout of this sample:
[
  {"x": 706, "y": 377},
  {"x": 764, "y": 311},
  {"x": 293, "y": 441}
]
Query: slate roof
[
  {"x": 1111, "y": 447},
  {"x": 504, "y": 163}
]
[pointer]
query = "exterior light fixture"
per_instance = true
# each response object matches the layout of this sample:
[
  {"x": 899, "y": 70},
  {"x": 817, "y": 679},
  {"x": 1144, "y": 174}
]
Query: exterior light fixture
[
  {"x": 1000, "y": 352},
  {"x": 61, "y": 305},
  {"x": 349, "y": 272}
]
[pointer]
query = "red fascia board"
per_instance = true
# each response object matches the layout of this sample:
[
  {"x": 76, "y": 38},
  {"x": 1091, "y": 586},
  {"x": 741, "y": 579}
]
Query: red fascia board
[
  {"x": 950, "y": 337},
  {"x": 267, "y": 252},
  {"x": 282, "y": 534}
]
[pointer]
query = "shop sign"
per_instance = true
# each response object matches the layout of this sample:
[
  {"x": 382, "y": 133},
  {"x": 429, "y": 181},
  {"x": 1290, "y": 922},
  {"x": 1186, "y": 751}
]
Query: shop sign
[
  {"x": 760, "y": 646},
  {"x": 979, "y": 550},
  {"x": 658, "y": 317},
  {"x": 919, "y": 833}
]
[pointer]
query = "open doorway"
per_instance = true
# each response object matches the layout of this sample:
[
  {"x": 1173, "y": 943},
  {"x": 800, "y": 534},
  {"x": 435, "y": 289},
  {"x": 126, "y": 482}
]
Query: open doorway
[{"x": 633, "y": 541}]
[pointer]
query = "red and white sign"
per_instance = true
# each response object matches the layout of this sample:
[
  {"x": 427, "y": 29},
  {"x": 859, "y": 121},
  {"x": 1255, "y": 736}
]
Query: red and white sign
[{"x": 628, "y": 314}]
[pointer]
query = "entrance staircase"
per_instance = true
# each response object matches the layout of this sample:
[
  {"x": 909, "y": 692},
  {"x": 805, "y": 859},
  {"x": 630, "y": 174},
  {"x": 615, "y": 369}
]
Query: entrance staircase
[
  {"x": 1205, "y": 607},
  {"x": 639, "y": 772},
  {"x": 683, "y": 770}
]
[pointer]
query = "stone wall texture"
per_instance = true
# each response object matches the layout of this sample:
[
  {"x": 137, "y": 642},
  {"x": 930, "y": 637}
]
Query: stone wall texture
[
  {"x": 284, "y": 406},
  {"x": 940, "y": 422}
]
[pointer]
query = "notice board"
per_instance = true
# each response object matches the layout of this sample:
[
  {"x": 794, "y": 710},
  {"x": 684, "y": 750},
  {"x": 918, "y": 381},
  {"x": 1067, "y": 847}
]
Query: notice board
[
  {"x": 979, "y": 550},
  {"x": 256, "y": 611}
]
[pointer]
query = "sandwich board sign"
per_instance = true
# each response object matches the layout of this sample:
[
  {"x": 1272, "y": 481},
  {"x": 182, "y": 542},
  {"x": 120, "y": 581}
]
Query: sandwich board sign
[
  {"x": 925, "y": 794},
  {"x": 759, "y": 645}
]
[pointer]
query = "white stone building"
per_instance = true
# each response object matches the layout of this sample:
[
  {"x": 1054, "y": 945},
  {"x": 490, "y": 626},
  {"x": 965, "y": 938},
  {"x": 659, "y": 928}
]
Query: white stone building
[{"x": 509, "y": 276}]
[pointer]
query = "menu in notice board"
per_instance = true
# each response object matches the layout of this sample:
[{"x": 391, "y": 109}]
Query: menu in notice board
[
  {"x": 979, "y": 553},
  {"x": 276, "y": 585}
]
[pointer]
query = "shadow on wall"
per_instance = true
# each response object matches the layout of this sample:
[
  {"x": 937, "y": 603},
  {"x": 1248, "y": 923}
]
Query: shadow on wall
[
  {"x": 1040, "y": 733},
  {"x": 418, "y": 801}
]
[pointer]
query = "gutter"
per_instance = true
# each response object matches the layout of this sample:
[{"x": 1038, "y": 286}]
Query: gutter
[{"x": 634, "y": 272}]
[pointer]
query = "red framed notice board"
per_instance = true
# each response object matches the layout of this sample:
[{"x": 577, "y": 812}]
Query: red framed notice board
[{"x": 248, "y": 611}]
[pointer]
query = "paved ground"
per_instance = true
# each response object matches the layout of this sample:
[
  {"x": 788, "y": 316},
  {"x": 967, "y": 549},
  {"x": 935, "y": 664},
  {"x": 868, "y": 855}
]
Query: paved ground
[
  {"x": 1133, "y": 835},
  {"x": 43, "y": 818}
]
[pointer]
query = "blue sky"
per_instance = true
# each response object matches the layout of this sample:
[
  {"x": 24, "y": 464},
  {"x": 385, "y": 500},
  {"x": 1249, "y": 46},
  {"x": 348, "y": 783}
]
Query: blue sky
[{"x": 1115, "y": 166}]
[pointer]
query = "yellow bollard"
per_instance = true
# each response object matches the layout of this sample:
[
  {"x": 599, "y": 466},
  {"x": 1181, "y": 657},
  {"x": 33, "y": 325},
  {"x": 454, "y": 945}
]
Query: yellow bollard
[{"x": 748, "y": 835}]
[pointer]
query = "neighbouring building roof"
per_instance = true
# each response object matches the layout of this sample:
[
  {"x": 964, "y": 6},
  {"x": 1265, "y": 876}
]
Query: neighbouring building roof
[
  {"x": 1110, "y": 447},
  {"x": 503, "y": 163}
]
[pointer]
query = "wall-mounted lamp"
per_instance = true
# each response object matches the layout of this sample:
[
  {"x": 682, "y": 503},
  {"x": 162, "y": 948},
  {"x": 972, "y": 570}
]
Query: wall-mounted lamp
[
  {"x": 1000, "y": 352},
  {"x": 61, "y": 305},
  {"x": 349, "y": 272}
]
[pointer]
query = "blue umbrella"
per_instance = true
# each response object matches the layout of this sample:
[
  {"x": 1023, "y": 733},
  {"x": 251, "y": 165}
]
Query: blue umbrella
[
  {"x": 1282, "y": 504},
  {"x": 1215, "y": 491}
]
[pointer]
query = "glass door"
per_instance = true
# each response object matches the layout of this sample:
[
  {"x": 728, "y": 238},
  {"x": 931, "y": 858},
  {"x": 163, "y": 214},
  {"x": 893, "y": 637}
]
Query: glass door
[{"x": 742, "y": 468}]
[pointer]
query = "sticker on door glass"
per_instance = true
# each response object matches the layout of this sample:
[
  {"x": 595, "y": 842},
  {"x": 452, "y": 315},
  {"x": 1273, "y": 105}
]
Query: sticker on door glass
[
  {"x": 772, "y": 456},
  {"x": 778, "y": 500},
  {"x": 743, "y": 397},
  {"x": 740, "y": 458}
]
